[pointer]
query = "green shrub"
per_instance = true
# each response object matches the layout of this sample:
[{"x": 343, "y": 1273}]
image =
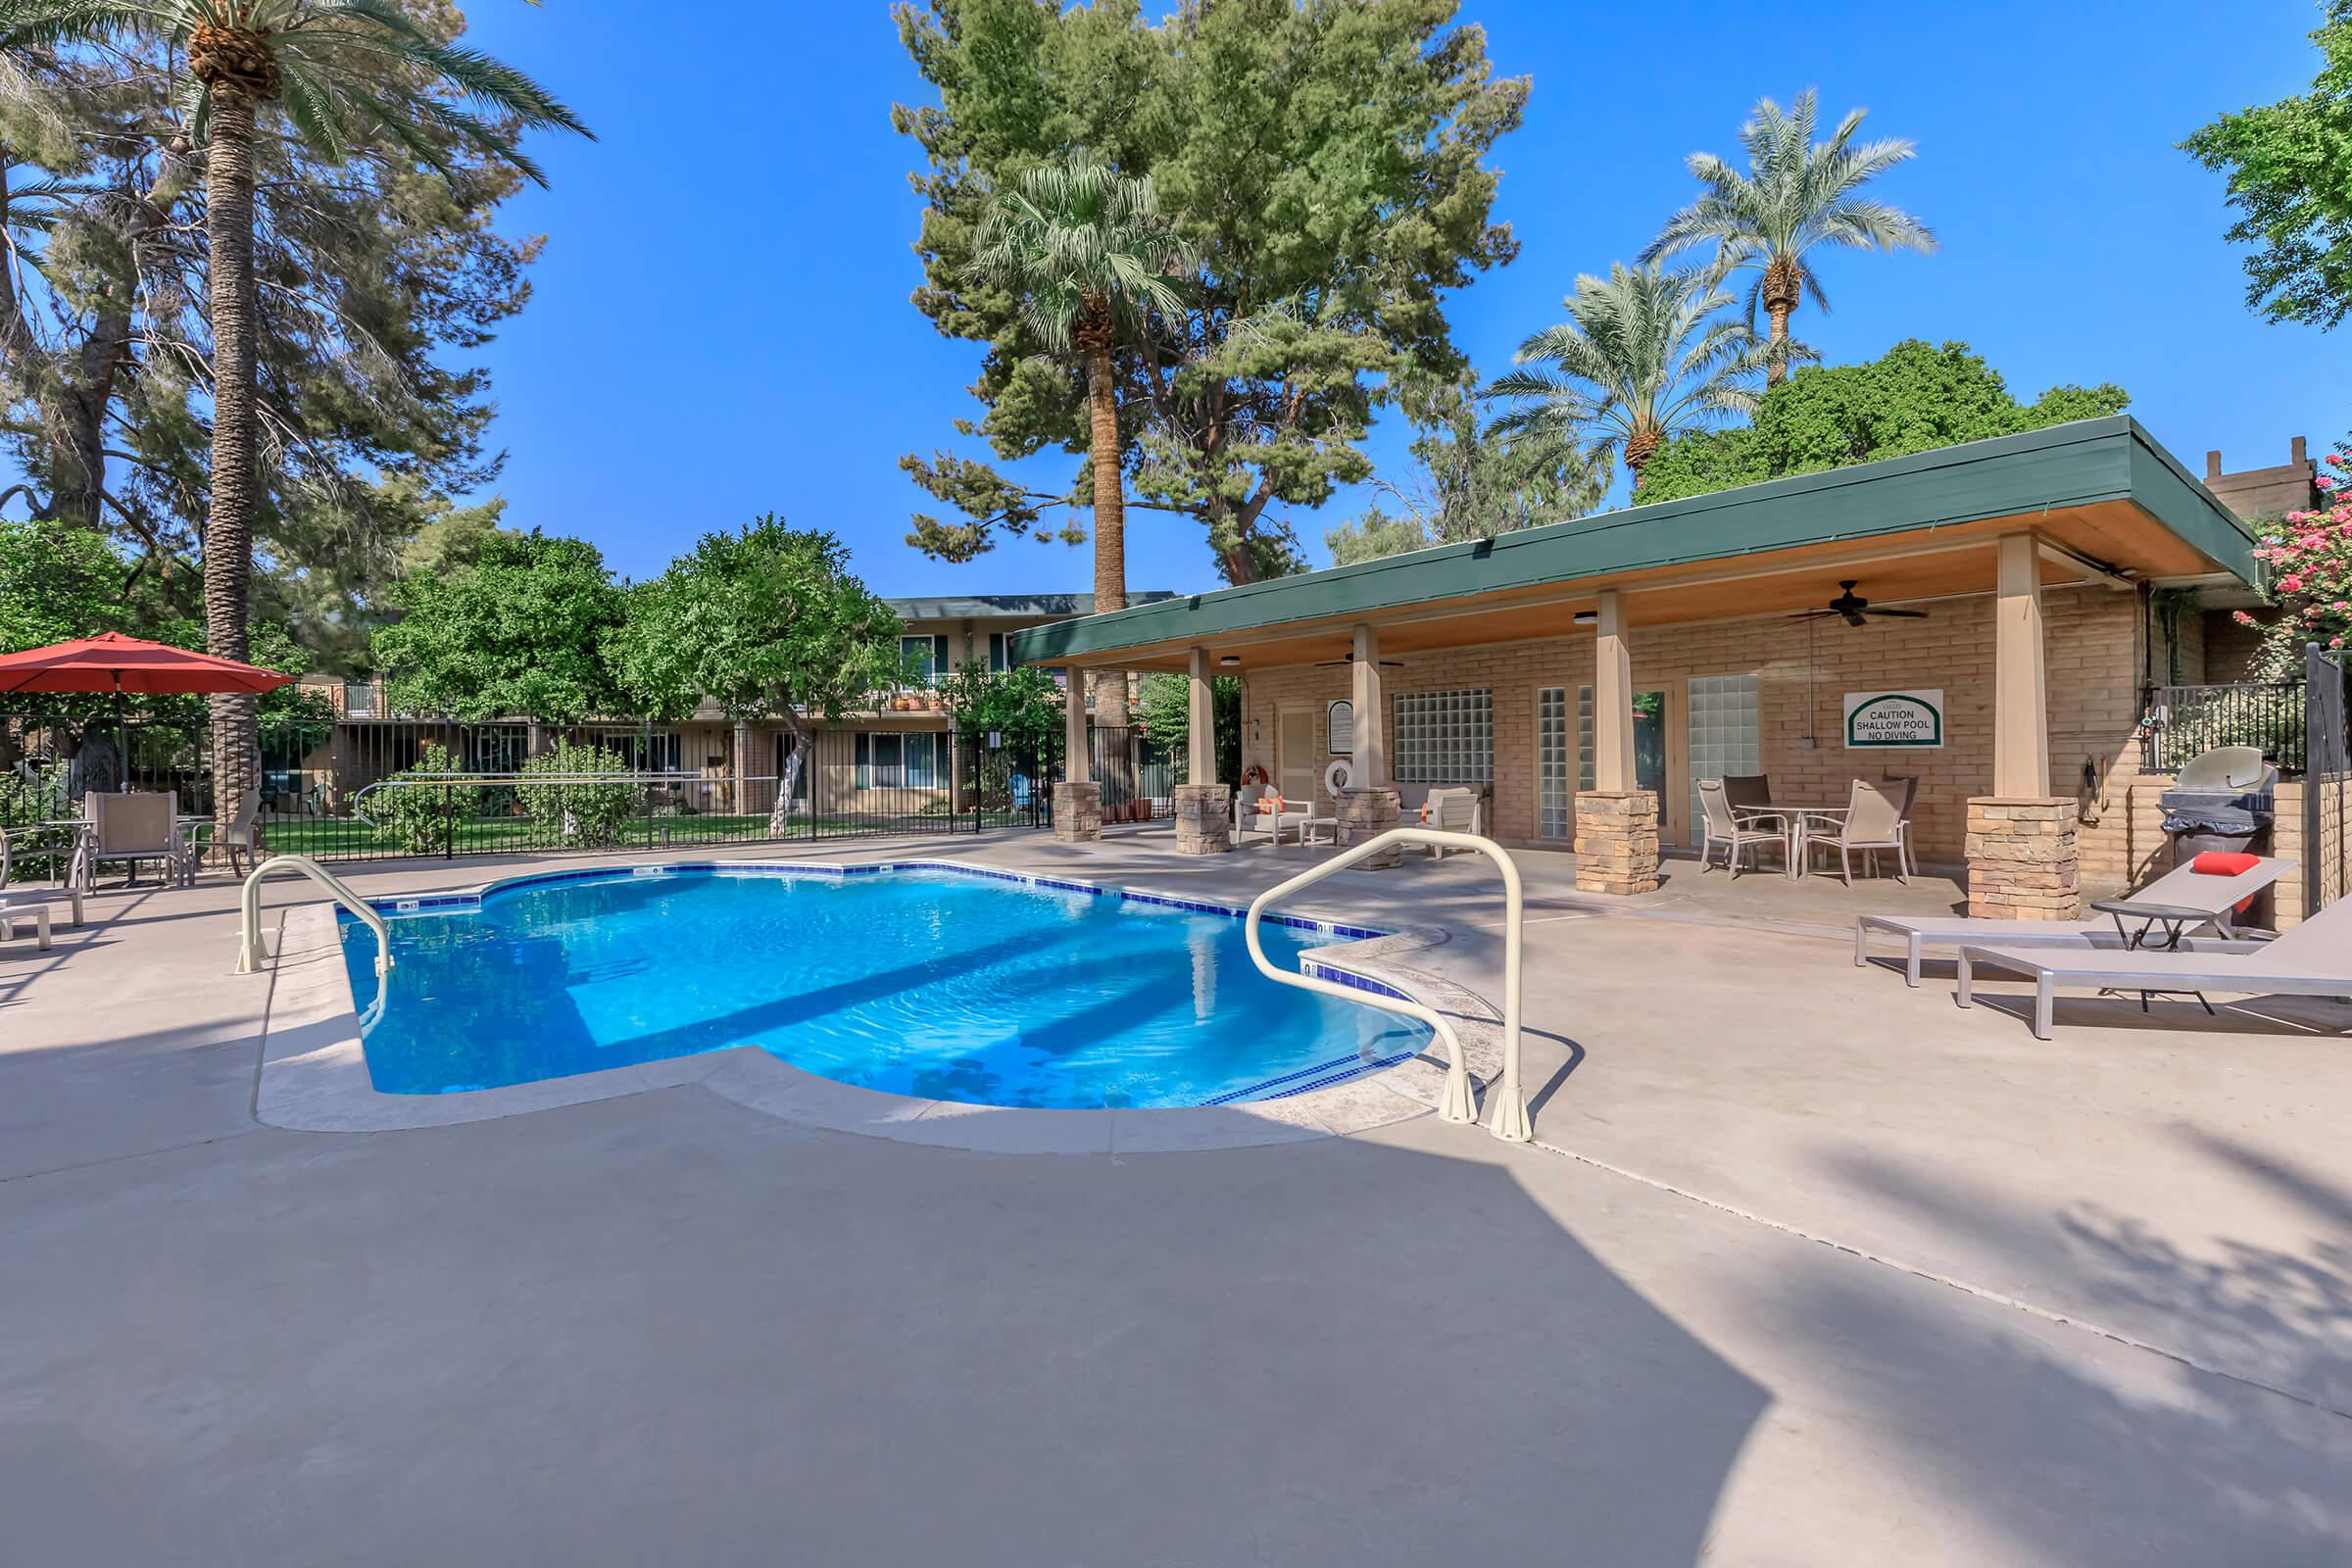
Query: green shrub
[
  {"x": 422, "y": 817},
  {"x": 586, "y": 814}
]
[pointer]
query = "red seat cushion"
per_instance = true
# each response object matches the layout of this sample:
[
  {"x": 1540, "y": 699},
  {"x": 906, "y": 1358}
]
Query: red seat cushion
[{"x": 2221, "y": 862}]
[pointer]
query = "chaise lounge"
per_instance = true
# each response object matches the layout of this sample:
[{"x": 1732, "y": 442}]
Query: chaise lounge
[
  {"x": 2314, "y": 960},
  {"x": 2198, "y": 900}
]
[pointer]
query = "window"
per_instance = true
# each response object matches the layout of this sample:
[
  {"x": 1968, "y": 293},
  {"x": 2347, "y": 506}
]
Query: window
[
  {"x": 925, "y": 658},
  {"x": 1555, "y": 805},
  {"x": 1446, "y": 737},
  {"x": 1584, "y": 737},
  {"x": 657, "y": 753},
  {"x": 1338, "y": 722},
  {"x": 1000, "y": 652},
  {"x": 900, "y": 761}
]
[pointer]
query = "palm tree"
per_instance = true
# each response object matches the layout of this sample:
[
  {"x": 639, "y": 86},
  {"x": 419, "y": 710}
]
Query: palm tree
[
  {"x": 1798, "y": 194},
  {"x": 1085, "y": 249},
  {"x": 353, "y": 77},
  {"x": 1637, "y": 362}
]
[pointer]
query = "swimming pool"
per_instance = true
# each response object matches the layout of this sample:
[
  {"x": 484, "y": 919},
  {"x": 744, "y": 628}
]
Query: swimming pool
[{"x": 942, "y": 983}]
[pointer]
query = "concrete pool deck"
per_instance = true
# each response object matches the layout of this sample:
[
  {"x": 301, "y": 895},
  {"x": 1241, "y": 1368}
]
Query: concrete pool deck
[{"x": 1809, "y": 1268}]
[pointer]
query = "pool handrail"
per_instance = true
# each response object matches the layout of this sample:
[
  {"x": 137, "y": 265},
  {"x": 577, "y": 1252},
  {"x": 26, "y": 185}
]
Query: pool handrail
[
  {"x": 252, "y": 955},
  {"x": 1509, "y": 1120}
]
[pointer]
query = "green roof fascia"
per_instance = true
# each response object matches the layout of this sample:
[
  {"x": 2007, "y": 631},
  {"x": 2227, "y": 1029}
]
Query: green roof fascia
[
  {"x": 983, "y": 607},
  {"x": 2086, "y": 460}
]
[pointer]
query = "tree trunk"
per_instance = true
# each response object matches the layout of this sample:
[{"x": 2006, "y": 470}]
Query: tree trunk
[
  {"x": 229, "y": 523},
  {"x": 1778, "y": 371},
  {"x": 1111, "y": 522},
  {"x": 779, "y": 816}
]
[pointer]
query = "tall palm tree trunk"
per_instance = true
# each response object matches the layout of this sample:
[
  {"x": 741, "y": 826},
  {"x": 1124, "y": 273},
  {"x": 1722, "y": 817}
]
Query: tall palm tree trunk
[
  {"x": 229, "y": 523},
  {"x": 1111, "y": 516},
  {"x": 1776, "y": 370}
]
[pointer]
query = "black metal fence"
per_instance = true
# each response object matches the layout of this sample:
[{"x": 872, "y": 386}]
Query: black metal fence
[
  {"x": 2180, "y": 722},
  {"x": 2327, "y": 782},
  {"x": 385, "y": 787}
]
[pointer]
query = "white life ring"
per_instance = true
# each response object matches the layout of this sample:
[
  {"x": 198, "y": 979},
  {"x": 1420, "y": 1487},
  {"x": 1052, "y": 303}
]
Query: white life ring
[{"x": 1338, "y": 776}]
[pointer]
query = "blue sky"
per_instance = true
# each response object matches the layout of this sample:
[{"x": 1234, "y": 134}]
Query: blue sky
[{"x": 720, "y": 325}]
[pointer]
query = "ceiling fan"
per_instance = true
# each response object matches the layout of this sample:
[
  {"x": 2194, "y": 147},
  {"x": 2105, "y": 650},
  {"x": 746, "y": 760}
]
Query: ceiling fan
[
  {"x": 1852, "y": 607},
  {"x": 1349, "y": 659}
]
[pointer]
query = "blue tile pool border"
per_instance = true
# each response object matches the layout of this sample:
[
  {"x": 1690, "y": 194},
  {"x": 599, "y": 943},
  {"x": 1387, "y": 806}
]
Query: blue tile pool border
[{"x": 439, "y": 903}]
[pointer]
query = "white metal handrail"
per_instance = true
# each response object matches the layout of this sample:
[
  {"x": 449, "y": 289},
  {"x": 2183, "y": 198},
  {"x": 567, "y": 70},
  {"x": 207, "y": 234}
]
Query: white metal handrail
[
  {"x": 1508, "y": 1118},
  {"x": 252, "y": 955}
]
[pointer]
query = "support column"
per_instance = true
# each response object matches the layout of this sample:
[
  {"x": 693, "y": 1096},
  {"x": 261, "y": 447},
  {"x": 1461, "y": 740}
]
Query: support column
[
  {"x": 1077, "y": 798},
  {"x": 1203, "y": 807},
  {"x": 1371, "y": 805},
  {"x": 1616, "y": 822},
  {"x": 2023, "y": 855}
]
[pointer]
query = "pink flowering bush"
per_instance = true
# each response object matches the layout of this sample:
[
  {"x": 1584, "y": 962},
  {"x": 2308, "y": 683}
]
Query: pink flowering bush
[{"x": 2307, "y": 561}]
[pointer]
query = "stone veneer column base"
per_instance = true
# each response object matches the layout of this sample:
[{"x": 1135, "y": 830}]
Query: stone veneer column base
[
  {"x": 1203, "y": 818},
  {"x": 1078, "y": 812},
  {"x": 1617, "y": 842},
  {"x": 2022, "y": 859},
  {"x": 1366, "y": 815}
]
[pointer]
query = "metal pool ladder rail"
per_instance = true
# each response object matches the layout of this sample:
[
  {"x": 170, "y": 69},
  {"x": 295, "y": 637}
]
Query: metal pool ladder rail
[
  {"x": 250, "y": 955},
  {"x": 1508, "y": 1117}
]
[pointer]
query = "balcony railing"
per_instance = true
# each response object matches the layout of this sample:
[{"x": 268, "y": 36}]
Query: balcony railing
[{"x": 2178, "y": 722}]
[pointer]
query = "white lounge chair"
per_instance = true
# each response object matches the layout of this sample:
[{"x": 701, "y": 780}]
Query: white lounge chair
[
  {"x": 2314, "y": 960},
  {"x": 1449, "y": 809},
  {"x": 19, "y": 902},
  {"x": 2202, "y": 900},
  {"x": 1260, "y": 808}
]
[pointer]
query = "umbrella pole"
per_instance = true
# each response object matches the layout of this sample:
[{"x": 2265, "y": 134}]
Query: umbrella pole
[{"x": 121, "y": 741}]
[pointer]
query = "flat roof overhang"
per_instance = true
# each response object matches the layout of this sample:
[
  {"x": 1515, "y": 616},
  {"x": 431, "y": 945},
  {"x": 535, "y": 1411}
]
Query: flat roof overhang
[{"x": 2109, "y": 504}]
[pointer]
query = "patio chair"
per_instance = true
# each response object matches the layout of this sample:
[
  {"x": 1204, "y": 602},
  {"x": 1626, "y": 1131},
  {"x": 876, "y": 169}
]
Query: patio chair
[
  {"x": 1449, "y": 811},
  {"x": 24, "y": 900},
  {"x": 2184, "y": 888},
  {"x": 2314, "y": 960},
  {"x": 243, "y": 838},
  {"x": 1734, "y": 830},
  {"x": 134, "y": 829},
  {"x": 1906, "y": 795},
  {"x": 1748, "y": 790},
  {"x": 1260, "y": 808},
  {"x": 1872, "y": 820}
]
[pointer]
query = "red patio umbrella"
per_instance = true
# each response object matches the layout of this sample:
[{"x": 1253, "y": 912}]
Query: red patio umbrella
[{"x": 114, "y": 662}]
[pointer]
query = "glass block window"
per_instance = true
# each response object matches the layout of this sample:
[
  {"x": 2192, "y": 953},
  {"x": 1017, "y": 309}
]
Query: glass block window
[
  {"x": 1584, "y": 737},
  {"x": 1446, "y": 737},
  {"x": 1726, "y": 735},
  {"x": 1555, "y": 804}
]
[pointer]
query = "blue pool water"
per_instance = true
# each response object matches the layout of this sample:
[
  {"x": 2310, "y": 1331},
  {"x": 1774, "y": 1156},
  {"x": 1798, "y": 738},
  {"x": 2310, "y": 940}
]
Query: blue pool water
[{"x": 934, "y": 983}]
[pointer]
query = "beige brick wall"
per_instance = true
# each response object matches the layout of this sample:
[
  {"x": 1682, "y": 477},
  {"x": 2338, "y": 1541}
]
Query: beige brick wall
[{"x": 2093, "y": 650}]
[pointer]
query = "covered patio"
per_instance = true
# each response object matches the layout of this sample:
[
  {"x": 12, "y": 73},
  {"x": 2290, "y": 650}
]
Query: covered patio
[{"x": 1586, "y": 678}]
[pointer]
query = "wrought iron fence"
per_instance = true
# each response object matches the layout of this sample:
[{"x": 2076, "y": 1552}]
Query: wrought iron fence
[
  {"x": 381, "y": 788},
  {"x": 2178, "y": 722},
  {"x": 2327, "y": 782}
]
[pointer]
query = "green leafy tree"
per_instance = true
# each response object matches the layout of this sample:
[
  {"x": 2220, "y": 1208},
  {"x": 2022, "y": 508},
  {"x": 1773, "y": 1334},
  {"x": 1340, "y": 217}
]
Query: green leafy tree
[
  {"x": 418, "y": 810},
  {"x": 582, "y": 816},
  {"x": 1086, "y": 255},
  {"x": 1468, "y": 482},
  {"x": 1914, "y": 398},
  {"x": 2291, "y": 178},
  {"x": 1023, "y": 704},
  {"x": 768, "y": 622},
  {"x": 1798, "y": 196},
  {"x": 521, "y": 631},
  {"x": 352, "y": 77},
  {"x": 1638, "y": 362},
  {"x": 1163, "y": 710},
  {"x": 1325, "y": 162}
]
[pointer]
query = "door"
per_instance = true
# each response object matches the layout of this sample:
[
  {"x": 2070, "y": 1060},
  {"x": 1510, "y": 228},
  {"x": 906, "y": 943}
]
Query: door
[
  {"x": 1726, "y": 738},
  {"x": 1296, "y": 755}
]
